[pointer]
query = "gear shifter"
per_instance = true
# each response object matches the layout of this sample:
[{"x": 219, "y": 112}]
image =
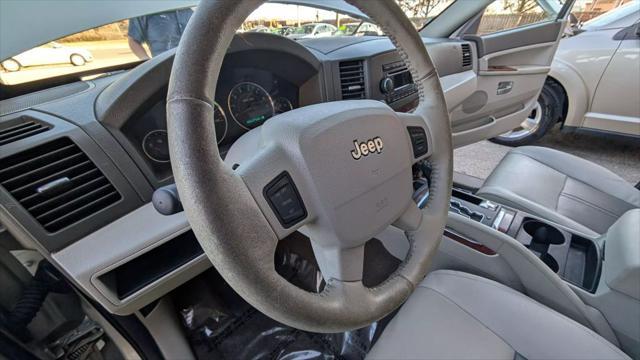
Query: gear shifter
[{"x": 458, "y": 208}]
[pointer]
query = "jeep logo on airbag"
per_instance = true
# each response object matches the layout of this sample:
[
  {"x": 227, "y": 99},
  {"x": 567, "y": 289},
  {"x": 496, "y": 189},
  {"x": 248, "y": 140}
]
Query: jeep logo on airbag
[{"x": 365, "y": 148}]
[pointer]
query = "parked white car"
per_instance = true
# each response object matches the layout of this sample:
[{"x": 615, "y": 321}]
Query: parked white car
[
  {"x": 313, "y": 30},
  {"x": 592, "y": 80},
  {"x": 49, "y": 54},
  {"x": 360, "y": 29}
]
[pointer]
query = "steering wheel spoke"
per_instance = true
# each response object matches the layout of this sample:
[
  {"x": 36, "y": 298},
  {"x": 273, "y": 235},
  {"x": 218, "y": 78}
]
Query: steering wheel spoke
[
  {"x": 342, "y": 264},
  {"x": 410, "y": 219},
  {"x": 275, "y": 183}
]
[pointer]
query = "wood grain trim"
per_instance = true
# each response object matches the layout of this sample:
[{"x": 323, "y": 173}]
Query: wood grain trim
[{"x": 468, "y": 243}]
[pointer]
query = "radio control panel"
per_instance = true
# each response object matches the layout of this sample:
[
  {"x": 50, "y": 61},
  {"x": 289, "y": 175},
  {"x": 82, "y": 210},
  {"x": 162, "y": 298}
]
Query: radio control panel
[{"x": 396, "y": 82}]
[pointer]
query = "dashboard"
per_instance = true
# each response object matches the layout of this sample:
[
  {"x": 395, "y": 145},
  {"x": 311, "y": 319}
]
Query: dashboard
[{"x": 96, "y": 150}]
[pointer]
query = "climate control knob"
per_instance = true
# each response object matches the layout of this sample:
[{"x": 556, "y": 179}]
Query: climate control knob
[{"x": 386, "y": 85}]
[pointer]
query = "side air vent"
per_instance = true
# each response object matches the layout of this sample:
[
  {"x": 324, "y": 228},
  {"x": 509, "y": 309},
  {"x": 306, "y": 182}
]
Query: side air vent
[
  {"x": 466, "y": 55},
  {"x": 21, "y": 129},
  {"x": 352, "y": 80},
  {"x": 57, "y": 184}
]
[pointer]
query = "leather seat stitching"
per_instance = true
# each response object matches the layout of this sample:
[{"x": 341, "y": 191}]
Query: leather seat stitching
[
  {"x": 516, "y": 151},
  {"x": 562, "y": 193},
  {"x": 545, "y": 165},
  {"x": 508, "y": 289},
  {"x": 445, "y": 297},
  {"x": 589, "y": 204},
  {"x": 564, "y": 185}
]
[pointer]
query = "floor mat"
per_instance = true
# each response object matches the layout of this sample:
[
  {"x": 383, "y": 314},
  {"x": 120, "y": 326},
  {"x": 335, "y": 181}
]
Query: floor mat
[{"x": 221, "y": 325}]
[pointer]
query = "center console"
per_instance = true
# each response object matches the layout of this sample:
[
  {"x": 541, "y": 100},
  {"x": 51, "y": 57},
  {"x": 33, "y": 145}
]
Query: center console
[
  {"x": 574, "y": 258},
  {"x": 484, "y": 238}
]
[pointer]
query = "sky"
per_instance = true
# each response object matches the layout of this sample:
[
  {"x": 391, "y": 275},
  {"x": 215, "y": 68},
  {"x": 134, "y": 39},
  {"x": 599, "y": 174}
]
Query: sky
[{"x": 289, "y": 12}]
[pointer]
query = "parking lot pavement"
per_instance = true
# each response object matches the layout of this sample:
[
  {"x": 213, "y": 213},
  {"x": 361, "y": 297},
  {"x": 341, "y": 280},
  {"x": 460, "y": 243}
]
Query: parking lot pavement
[{"x": 621, "y": 156}]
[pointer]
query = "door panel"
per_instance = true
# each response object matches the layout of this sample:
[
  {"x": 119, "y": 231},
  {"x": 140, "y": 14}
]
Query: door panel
[{"x": 511, "y": 69}]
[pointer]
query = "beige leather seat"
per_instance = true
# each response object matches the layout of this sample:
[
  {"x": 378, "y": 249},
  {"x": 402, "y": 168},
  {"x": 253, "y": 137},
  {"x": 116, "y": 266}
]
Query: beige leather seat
[
  {"x": 455, "y": 315},
  {"x": 561, "y": 188}
]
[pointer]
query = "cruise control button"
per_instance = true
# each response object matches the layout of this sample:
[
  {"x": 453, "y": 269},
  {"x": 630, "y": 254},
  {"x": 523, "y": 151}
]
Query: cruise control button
[
  {"x": 284, "y": 200},
  {"x": 418, "y": 140}
]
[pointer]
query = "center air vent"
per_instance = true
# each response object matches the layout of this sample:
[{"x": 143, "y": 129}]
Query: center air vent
[
  {"x": 466, "y": 55},
  {"x": 23, "y": 128},
  {"x": 352, "y": 80},
  {"x": 57, "y": 184}
]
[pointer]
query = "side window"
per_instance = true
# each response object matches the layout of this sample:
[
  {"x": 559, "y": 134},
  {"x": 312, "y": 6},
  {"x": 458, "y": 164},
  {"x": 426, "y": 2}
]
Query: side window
[{"x": 504, "y": 15}]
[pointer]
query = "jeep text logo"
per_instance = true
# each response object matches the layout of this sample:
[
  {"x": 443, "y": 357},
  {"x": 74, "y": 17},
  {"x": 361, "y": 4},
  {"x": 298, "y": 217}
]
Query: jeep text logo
[{"x": 365, "y": 148}]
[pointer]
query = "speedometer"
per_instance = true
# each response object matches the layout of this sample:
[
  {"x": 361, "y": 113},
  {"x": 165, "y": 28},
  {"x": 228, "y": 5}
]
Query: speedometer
[
  {"x": 220, "y": 121},
  {"x": 250, "y": 105}
]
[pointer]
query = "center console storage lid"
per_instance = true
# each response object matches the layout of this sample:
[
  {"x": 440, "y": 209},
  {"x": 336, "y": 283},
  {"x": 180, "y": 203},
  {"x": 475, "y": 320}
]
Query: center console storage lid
[{"x": 622, "y": 254}]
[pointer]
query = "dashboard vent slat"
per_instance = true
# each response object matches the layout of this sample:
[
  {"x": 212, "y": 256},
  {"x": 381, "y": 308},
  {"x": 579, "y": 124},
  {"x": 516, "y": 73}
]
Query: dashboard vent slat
[
  {"x": 466, "y": 55},
  {"x": 57, "y": 184},
  {"x": 68, "y": 197},
  {"x": 82, "y": 212},
  {"x": 36, "y": 175},
  {"x": 352, "y": 84},
  {"x": 24, "y": 129}
]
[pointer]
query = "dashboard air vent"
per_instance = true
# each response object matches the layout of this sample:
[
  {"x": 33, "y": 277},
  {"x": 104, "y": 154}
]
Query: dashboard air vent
[
  {"x": 466, "y": 55},
  {"x": 57, "y": 184},
  {"x": 24, "y": 128},
  {"x": 352, "y": 79}
]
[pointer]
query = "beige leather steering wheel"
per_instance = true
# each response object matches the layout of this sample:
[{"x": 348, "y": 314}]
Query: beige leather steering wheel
[{"x": 341, "y": 169}]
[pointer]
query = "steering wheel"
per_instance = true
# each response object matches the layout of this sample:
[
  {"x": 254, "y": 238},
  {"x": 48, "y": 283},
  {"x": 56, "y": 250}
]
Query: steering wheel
[{"x": 340, "y": 169}]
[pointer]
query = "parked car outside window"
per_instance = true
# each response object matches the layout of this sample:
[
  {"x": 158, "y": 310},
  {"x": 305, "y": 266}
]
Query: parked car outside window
[{"x": 594, "y": 69}]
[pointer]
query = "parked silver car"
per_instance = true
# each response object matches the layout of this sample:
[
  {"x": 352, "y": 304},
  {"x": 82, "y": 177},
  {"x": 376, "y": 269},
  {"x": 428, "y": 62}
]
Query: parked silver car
[
  {"x": 51, "y": 53},
  {"x": 591, "y": 81}
]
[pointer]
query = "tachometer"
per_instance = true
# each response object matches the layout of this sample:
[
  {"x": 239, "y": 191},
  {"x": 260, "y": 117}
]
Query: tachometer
[
  {"x": 282, "y": 105},
  {"x": 156, "y": 146},
  {"x": 220, "y": 120},
  {"x": 250, "y": 105}
]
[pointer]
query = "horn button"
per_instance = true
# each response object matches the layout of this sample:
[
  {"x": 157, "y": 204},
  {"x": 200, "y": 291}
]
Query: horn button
[{"x": 356, "y": 162}]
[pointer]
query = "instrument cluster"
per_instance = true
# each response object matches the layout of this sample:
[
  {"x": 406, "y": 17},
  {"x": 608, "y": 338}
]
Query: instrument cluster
[{"x": 245, "y": 99}]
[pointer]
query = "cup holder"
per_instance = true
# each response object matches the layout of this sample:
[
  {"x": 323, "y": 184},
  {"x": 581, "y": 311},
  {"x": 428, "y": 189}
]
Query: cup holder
[
  {"x": 550, "y": 261},
  {"x": 539, "y": 237},
  {"x": 542, "y": 233}
]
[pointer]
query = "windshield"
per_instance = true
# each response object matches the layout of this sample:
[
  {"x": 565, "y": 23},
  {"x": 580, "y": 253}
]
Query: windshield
[
  {"x": 137, "y": 39},
  {"x": 420, "y": 12}
]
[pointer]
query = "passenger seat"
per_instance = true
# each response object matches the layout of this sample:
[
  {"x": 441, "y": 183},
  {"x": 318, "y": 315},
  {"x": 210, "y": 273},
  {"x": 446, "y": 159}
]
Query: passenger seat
[{"x": 560, "y": 187}]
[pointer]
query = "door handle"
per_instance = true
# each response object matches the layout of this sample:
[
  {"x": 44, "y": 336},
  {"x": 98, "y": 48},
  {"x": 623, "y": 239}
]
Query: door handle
[{"x": 504, "y": 87}]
